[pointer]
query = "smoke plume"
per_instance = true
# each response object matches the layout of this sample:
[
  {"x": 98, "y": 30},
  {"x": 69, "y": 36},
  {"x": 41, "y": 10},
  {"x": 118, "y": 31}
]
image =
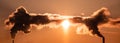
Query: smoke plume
[{"x": 21, "y": 20}]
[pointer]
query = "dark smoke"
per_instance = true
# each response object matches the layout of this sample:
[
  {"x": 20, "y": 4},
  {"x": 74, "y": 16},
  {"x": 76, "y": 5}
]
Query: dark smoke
[
  {"x": 99, "y": 17},
  {"x": 21, "y": 21},
  {"x": 92, "y": 22},
  {"x": 115, "y": 21}
]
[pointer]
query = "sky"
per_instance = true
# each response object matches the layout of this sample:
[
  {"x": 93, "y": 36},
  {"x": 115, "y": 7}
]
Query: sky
[{"x": 63, "y": 7}]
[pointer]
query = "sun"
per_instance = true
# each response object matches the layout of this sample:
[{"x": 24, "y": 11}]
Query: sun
[{"x": 65, "y": 24}]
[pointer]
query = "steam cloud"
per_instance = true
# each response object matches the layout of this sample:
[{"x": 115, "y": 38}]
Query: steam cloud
[{"x": 21, "y": 20}]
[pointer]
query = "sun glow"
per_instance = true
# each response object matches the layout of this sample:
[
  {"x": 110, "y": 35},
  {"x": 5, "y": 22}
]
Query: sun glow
[{"x": 65, "y": 24}]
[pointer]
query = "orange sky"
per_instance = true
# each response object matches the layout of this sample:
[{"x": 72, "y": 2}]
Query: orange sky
[{"x": 64, "y": 7}]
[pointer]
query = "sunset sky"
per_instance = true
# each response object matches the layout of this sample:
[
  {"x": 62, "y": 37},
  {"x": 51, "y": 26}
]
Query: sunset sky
[{"x": 63, "y": 7}]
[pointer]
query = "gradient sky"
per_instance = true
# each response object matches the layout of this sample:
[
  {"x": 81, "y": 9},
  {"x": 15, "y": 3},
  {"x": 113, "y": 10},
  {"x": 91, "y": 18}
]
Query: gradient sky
[{"x": 63, "y": 7}]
